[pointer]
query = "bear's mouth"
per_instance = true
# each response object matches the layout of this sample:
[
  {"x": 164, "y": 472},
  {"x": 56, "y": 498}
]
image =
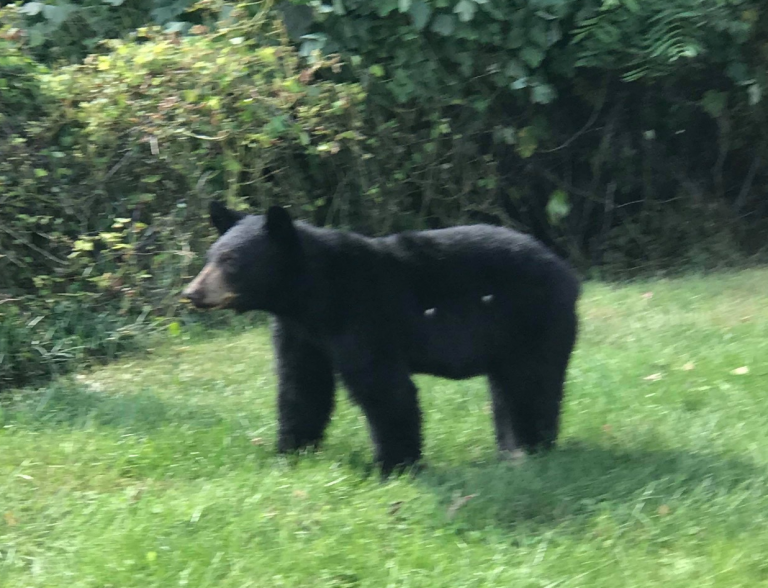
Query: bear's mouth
[
  {"x": 226, "y": 302},
  {"x": 210, "y": 290}
]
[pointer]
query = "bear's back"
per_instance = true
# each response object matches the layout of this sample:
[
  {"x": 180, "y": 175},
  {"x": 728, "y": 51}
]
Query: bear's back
[
  {"x": 441, "y": 264},
  {"x": 478, "y": 256}
]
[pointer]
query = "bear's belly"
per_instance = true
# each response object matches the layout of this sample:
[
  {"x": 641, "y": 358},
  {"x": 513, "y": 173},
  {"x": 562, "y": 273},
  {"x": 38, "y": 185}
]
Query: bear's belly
[
  {"x": 454, "y": 371},
  {"x": 455, "y": 345}
]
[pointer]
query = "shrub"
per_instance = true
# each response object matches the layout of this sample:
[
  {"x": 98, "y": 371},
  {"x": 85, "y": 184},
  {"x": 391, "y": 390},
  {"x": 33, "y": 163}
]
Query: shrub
[
  {"x": 572, "y": 118},
  {"x": 104, "y": 186},
  {"x": 69, "y": 31}
]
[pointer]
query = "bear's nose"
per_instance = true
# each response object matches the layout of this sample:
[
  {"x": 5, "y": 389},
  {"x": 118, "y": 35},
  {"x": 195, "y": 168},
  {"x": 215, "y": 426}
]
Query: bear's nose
[{"x": 194, "y": 295}]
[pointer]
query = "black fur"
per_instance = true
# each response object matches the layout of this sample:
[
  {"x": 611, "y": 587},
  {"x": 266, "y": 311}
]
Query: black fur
[
  {"x": 221, "y": 217},
  {"x": 455, "y": 303}
]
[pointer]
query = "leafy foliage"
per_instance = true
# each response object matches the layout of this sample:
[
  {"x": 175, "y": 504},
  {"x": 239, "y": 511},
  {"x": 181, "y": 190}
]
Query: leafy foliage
[
  {"x": 70, "y": 30},
  {"x": 649, "y": 39},
  {"x": 587, "y": 115},
  {"x": 20, "y": 94},
  {"x": 627, "y": 135},
  {"x": 103, "y": 190}
]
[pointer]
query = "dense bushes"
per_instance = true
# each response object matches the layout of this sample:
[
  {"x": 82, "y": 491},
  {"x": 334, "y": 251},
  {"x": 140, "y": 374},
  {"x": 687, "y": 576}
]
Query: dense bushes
[
  {"x": 600, "y": 125},
  {"x": 628, "y": 135},
  {"x": 69, "y": 31},
  {"x": 103, "y": 189}
]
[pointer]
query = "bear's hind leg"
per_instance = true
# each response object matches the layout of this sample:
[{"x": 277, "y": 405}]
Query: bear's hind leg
[
  {"x": 526, "y": 403},
  {"x": 502, "y": 418},
  {"x": 305, "y": 391},
  {"x": 389, "y": 400},
  {"x": 528, "y": 384}
]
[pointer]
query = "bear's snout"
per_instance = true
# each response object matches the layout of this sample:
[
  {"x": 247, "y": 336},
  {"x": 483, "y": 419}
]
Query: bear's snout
[
  {"x": 209, "y": 289},
  {"x": 194, "y": 295}
]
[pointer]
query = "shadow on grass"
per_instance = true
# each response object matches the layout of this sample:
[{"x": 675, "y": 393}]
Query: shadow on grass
[
  {"x": 579, "y": 480},
  {"x": 567, "y": 486},
  {"x": 159, "y": 437},
  {"x": 68, "y": 404}
]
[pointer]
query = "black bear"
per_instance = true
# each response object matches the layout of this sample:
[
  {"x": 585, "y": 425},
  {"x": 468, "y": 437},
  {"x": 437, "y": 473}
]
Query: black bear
[{"x": 456, "y": 303}]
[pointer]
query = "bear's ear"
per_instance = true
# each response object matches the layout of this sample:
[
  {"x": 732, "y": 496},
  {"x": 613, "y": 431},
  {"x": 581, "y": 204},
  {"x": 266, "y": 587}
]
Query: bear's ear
[
  {"x": 222, "y": 217},
  {"x": 280, "y": 225}
]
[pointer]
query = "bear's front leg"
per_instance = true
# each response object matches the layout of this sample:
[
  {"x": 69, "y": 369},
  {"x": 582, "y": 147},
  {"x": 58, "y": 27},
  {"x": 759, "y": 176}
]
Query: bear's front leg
[
  {"x": 305, "y": 390},
  {"x": 388, "y": 397}
]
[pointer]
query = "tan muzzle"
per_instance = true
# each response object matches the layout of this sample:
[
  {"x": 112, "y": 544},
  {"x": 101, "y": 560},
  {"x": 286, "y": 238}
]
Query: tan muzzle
[{"x": 209, "y": 289}]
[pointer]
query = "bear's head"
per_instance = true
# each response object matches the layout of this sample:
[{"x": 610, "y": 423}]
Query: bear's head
[{"x": 254, "y": 265}]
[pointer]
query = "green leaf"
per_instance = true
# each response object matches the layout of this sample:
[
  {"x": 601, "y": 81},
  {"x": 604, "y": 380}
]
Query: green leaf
[
  {"x": 420, "y": 12},
  {"x": 466, "y": 10},
  {"x": 36, "y": 35},
  {"x": 384, "y": 7},
  {"x": 57, "y": 14},
  {"x": 526, "y": 142},
  {"x": 82, "y": 245},
  {"x": 404, "y": 5},
  {"x": 297, "y": 19},
  {"x": 515, "y": 69},
  {"x": 737, "y": 71},
  {"x": 516, "y": 38},
  {"x": 444, "y": 24},
  {"x": 538, "y": 33},
  {"x": 231, "y": 164},
  {"x": 310, "y": 43},
  {"x": 376, "y": 70},
  {"x": 179, "y": 27},
  {"x": 558, "y": 207},
  {"x": 276, "y": 125},
  {"x": 32, "y": 8},
  {"x": 543, "y": 94},
  {"x": 554, "y": 34},
  {"x": 533, "y": 56},
  {"x": 465, "y": 61},
  {"x": 714, "y": 102},
  {"x": 507, "y": 135},
  {"x": 755, "y": 94}
]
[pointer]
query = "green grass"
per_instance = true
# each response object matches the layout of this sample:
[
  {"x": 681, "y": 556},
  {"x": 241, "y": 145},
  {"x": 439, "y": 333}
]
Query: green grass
[{"x": 160, "y": 470}]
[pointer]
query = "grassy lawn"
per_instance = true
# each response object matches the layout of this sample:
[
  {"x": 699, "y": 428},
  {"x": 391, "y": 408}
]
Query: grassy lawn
[{"x": 160, "y": 471}]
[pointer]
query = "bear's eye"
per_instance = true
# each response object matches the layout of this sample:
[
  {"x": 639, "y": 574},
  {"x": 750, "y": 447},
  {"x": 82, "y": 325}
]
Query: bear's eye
[{"x": 227, "y": 259}]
